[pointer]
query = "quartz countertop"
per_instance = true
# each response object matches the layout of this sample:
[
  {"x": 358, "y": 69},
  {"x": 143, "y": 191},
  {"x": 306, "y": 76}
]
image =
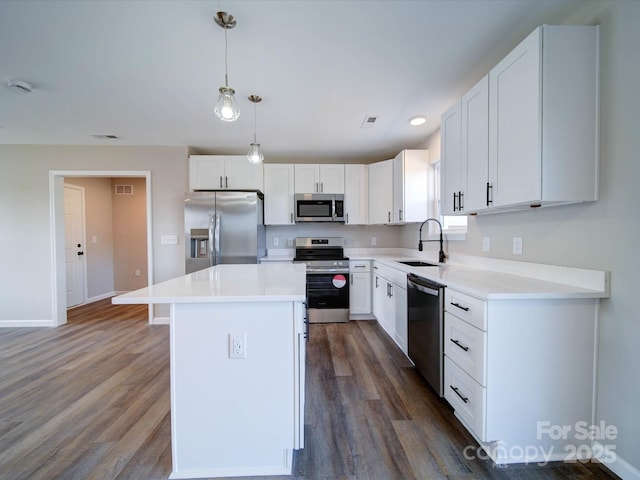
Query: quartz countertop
[
  {"x": 270, "y": 282},
  {"x": 532, "y": 281}
]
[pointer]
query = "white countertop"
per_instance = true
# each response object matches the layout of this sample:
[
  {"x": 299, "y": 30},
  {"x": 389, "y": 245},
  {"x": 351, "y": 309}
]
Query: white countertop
[
  {"x": 494, "y": 285},
  {"x": 270, "y": 282}
]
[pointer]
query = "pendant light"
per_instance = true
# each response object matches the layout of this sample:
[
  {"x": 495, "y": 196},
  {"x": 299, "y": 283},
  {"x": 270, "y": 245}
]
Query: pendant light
[
  {"x": 226, "y": 107},
  {"x": 255, "y": 154}
]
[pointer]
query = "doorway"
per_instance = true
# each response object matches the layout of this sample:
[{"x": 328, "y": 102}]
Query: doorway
[{"x": 59, "y": 273}]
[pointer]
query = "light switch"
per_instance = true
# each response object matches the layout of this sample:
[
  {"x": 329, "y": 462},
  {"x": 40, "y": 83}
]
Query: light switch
[{"x": 169, "y": 239}]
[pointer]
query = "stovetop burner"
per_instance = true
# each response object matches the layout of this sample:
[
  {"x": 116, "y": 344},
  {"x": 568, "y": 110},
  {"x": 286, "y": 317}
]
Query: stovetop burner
[{"x": 319, "y": 249}]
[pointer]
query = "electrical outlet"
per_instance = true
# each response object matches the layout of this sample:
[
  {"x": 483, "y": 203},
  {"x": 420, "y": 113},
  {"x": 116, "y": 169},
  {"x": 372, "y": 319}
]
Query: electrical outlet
[
  {"x": 374, "y": 240},
  {"x": 137, "y": 272},
  {"x": 237, "y": 345},
  {"x": 290, "y": 242},
  {"x": 276, "y": 241},
  {"x": 517, "y": 245},
  {"x": 486, "y": 244}
]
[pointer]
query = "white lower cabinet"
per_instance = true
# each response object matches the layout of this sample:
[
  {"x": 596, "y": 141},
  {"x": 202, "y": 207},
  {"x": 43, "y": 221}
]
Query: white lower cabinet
[
  {"x": 360, "y": 287},
  {"x": 513, "y": 366},
  {"x": 390, "y": 302}
]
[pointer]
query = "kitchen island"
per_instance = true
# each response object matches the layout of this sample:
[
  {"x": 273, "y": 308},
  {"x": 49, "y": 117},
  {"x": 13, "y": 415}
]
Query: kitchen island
[{"x": 237, "y": 336}]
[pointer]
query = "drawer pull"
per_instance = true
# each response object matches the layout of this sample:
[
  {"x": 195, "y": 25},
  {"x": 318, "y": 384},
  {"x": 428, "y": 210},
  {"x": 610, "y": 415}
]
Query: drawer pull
[
  {"x": 466, "y": 309},
  {"x": 457, "y": 342},
  {"x": 457, "y": 392}
]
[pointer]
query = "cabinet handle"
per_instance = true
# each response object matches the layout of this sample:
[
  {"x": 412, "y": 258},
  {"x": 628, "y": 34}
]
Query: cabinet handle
[
  {"x": 376, "y": 282},
  {"x": 291, "y": 217},
  {"x": 400, "y": 214},
  {"x": 226, "y": 179},
  {"x": 220, "y": 181},
  {"x": 457, "y": 343},
  {"x": 390, "y": 289},
  {"x": 466, "y": 309},
  {"x": 460, "y": 202},
  {"x": 489, "y": 191},
  {"x": 360, "y": 266},
  {"x": 455, "y": 196},
  {"x": 347, "y": 219},
  {"x": 462, "y": 397},
  {"x": 389, "y": 216},
  {"x": 351, "y": 278},
  {"x": 321, "y": 187}
]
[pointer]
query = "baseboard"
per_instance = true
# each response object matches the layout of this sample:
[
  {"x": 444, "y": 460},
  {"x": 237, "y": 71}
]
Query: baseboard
[
  {"x": 26, "y": 323},
  {"x": 102, "y": 296},
  {"x": 619, "y": 466},
  {"x": 160, "y": 321}
]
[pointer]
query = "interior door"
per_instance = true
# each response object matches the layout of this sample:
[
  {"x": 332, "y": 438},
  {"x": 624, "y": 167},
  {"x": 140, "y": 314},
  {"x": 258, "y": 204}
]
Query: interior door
[{"x": 74, "y": 244}]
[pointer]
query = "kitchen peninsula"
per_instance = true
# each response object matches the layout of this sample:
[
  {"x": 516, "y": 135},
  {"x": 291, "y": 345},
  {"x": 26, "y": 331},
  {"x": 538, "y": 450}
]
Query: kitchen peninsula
[{"x": 237, "y": 368}]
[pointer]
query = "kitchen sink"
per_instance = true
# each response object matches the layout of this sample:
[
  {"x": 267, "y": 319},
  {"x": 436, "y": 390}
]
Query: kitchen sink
[{"x": 418, "y": 263}]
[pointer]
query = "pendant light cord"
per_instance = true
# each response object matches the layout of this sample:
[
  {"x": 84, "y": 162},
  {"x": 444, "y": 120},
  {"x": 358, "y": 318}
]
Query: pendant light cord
[
  {"x": 226, "y": 67},
  {"x": 255, "y": 122}
]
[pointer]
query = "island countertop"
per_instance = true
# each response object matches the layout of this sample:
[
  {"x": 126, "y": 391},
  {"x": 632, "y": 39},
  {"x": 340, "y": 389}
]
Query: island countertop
[{"x": 270, "y": 282}]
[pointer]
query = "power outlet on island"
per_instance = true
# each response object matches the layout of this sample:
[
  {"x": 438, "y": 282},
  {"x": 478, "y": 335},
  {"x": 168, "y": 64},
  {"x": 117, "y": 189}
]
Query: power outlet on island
[{"x": 237, "y": 345}]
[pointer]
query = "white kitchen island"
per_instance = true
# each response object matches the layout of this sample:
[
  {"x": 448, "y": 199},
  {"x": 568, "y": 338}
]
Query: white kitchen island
[{"x": 234, "y": 416}]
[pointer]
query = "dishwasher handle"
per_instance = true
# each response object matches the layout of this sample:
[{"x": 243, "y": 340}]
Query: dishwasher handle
[{"x": 422, "y": 285}]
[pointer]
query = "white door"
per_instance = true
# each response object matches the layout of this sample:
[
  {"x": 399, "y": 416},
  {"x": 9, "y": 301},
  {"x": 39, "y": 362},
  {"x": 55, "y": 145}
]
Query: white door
[{"x": 74, "y": 244}]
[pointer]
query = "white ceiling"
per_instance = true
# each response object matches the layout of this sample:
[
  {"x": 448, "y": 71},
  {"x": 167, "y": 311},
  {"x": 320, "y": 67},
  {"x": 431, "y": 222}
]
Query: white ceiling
[{"x": 149, "y": 71}]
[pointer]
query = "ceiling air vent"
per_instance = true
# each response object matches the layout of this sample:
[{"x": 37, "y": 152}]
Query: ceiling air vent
[
  {"x": 369, "y": 121},
  {"x": 124, "y": 189},
  {"x": 105, "y": 137}
]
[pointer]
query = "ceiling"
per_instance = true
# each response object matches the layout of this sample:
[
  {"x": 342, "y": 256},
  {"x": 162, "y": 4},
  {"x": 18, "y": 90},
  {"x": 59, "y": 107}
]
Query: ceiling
[{"x": 149, "y": 71}]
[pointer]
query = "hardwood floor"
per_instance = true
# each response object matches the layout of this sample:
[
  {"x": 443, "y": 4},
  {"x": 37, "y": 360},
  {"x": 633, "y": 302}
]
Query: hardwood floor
[{"x": 90, "y": 400}]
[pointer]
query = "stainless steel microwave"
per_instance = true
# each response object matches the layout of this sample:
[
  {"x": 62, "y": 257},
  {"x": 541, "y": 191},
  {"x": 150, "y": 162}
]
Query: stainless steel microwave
[{"x": 319, "y": 207}]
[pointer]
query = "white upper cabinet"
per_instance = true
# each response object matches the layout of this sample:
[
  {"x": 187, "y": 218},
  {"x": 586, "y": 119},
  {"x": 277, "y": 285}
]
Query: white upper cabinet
[
  {"x": 380, "y": 192},
  {"x": 224, "y": 172},
  {"x": 319, "y": 178},
  {"x": 450, "y": 161},
  {"x": 410, "y": 186},
  {"x": 355, "y": 196},
  {"x": 278, "y": 194},
  {"x": 543, "y": 120}
]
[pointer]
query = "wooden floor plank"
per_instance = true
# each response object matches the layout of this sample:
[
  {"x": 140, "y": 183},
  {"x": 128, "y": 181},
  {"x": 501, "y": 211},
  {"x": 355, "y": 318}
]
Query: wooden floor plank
[{"x": 90, "y": 399}]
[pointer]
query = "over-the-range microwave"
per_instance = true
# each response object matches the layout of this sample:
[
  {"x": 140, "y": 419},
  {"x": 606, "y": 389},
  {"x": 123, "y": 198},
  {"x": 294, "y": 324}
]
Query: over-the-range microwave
[{"x": 319, "y": 207}]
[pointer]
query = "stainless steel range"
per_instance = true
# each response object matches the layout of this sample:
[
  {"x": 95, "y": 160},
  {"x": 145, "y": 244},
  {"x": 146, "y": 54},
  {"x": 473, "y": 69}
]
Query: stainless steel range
[{"x": 327, "y": 278}]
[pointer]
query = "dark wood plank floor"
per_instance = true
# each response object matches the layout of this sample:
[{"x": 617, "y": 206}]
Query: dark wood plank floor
[{"x": 90, "y": 400}]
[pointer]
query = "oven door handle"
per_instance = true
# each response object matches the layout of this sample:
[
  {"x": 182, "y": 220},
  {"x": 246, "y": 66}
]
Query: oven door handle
[{"x": 327, "y": 270}]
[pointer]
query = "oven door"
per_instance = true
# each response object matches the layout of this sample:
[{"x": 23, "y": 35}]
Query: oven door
[{"x": 328, "y": 297}]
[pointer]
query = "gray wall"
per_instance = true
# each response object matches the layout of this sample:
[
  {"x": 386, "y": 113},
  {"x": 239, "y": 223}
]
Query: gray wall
[{"x": 26, "y": 234}]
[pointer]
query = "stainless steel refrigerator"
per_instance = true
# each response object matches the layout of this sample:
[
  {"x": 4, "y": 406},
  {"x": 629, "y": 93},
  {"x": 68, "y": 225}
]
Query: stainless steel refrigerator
[{"x": 223, "y": 227}]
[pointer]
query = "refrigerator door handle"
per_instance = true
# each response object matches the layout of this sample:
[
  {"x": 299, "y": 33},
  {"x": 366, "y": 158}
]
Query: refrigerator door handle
[
  {"x": 216, "y": 239},
  {"x": 211, "y": 236}
]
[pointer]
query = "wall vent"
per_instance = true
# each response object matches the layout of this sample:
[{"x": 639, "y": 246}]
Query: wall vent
[
  {"x": 124, "y": 189},
  {"x": 369, "y": 121}
]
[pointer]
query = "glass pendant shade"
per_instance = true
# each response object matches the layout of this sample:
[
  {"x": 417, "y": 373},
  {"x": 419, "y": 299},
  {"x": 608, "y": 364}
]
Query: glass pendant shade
[
  {"x": 226, "y": 107},
  {"x": 255, "y": 154}
]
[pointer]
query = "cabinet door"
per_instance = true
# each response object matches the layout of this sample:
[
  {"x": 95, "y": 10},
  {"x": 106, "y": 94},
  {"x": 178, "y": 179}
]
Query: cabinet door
[
  {"x": 278, "y": 194},
  {"x": 515, "y": 125},
  {"x": 306, "y": 178},
  {"x": 360, "y": 293},
  {"x": 415, "y": 186},
  {"x": 474, "y": 171},
  {"x": 206, "y": 172},
  {"x": 380, "y": 192},
  {"x": 450, "y": 166},
  {"x": 240, "y": 174},
  {"x": 331, "y": 178},
  {"x": 355, "y": 194},
  {"x": 379, "y": 294},
  {"x": 399, "y": 297},
  {"x": 398, "y": 214}
]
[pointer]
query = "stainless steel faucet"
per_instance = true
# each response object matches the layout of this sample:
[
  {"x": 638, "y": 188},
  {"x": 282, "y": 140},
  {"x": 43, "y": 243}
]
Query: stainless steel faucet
[{"x": 441, "y": 254}]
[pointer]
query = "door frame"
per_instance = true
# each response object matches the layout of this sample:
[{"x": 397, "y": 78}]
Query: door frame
[
  {"x": 83, "y": 234},
  {"x": 56, "y": 203}
]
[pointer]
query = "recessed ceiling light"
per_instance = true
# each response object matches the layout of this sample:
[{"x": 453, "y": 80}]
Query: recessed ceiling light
[
  {"x": 415, "y": 121},
  {"x": 106, "y": 137}
]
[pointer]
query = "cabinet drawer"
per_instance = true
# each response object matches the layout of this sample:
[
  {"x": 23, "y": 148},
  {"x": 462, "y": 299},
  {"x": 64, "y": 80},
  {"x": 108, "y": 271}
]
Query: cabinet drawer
[
  {"x": 466, "y": 346},
  {"x": 466, "y": 307},
  {"x": 357, "y": 266},
  {"x": 391, "y": 274},
  {"x": 466, "y": 396}
]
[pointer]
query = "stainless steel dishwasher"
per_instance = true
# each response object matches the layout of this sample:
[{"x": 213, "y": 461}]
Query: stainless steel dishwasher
[{"x": 425, "y": 304}]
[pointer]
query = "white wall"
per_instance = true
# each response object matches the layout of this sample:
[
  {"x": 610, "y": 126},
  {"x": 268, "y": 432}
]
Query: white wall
[
  {"x": 601, "y": 235},
  {"x": 25, "y": 236}
]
